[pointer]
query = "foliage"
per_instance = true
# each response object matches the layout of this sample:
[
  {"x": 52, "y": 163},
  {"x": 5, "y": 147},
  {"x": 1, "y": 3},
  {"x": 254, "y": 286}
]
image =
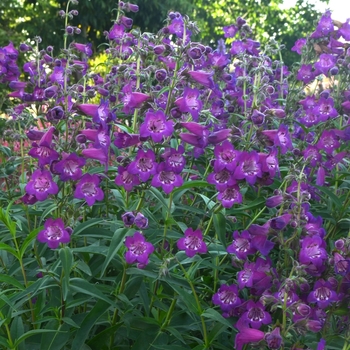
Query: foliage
[{"x": 175, "y": 196}]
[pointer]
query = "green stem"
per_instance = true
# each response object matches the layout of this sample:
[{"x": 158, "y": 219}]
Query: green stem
[
  {"x": 199, "y": 307},
  {"x": 7, "y": 331}
]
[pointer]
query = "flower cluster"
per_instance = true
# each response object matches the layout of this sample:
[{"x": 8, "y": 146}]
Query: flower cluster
[{"x": 176, "y": 135}]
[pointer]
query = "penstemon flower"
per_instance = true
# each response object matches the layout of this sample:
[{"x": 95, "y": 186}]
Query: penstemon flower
[
  {"x": 41, "y": 185},
  {"x": 192, "y": 243},
  {"x": 88, "y": 189},
  {"x": 53, "y": 233},
  {"x": 138, "y": 249}
]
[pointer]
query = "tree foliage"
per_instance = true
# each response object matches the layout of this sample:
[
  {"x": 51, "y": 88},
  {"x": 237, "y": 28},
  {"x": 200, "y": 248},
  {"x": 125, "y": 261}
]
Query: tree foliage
[{"x": 266, "y": 17}]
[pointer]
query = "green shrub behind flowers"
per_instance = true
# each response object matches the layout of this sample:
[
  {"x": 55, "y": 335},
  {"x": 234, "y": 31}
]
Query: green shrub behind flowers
[{"x": 189, "y": 198}]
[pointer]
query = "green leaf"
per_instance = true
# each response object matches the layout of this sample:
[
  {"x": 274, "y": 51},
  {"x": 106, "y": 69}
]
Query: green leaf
[
  {"x": 84, "y": 225},
  {"x": 9, "y": 249},
  {"x": 208, "y": 202},
  {"x": 28, "y": 240},
  {"x": 220, "y": 227},
  {"x": 66, "y": 257},
  {"x": 31, "y": 333},
  {"x": 331, "y": 196},
  {"x": 89, "y": 321},
  {"x": 17, "y": 329},
  {"x": 47, "y": 211},
  {"x": 116, "y": 243},
  {"x": 217, "y": 317},
  {"x": 81, "y": 286},
  {"x": 192, "y": 185},
  {"x": 11, "y": 281}
]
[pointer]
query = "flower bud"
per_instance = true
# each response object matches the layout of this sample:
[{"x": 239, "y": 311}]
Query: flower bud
[
  {"x": 141, "y": 221},
  {"x": 25, "y": 48},
  {"x": 69, "y": 30},
  {"x": 339, "y": 244},
  {"x": 128, "y": 218},
  {"x": 159, "y": 49},
  {"x": 81, "y": 138},
  {"x": 161, "y": 75}
]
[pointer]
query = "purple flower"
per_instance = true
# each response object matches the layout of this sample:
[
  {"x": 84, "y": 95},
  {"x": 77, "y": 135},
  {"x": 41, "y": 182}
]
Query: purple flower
[
  {"x": 175, "y": 159},
  {"x": 225, "y": 157},
  {"x": 100, "y": 113},
  {"x": 249, "y": 167},
  {"x": 322, "y": 294},
  {"x": 96, "y": 153},
  {"x": 328, "y": 141},
  {"x": 126, "y": 179},
  {"x": 227, "y": 297},
  {"x": 256, "y": 315},
  {"x": 167, "y": 179},
  {"x": 298, "y": 46},
  {"x": 230, "y": 196},
  {"x": 88, "y": 189},
  {"x": 283, "y": 139},
  {"x": 344, "y": 31},
  {"x": 144, "y": 165},
  {"x": 274, "y": 339},
  {"x": 230, "y": 31},
  {"x": 53, "y": 233},
  {"x": 341, "y": 264},
  {"x": 128, "y": 218},
  {"x": 123, "y": 140},
  {"x": 322, "y": 343},
  {"x": 70, "y": 167},
  {"x": 41, "y": 185},
  {"x": 325, "y": 63},
  {"x": 43, "y": 151},
  {"x": 190, "y": 102},
  {"x": 156, "y": 126},
  {"x": 221, "y": 179},
  {"x": 325, "y": 26},
  {"x": 192, "y": 243},
  {"x": 86, "y": 49},
  {"x": 202, "y": 77},
  {"x": 138, "y": 249},
  {"x": 313, "y": 251},
  {"x": 248, "y": 335},
  {"x": 141, "y": 221},
  {"x": 241, "y": 245},
  {"x": 132, "y": 99},
  {"x": 306, "y": 73}
]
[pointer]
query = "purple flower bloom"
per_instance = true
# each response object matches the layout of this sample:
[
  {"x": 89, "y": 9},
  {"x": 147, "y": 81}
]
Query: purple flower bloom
[
  {"x": 88, "y": 189},
  {"x": 325, "y": 63},
  {"x": 344, "y": 31},
  {"x": 230, "y": 31},
  {"x": 192, "y": 243},
  {"x": 306, "y": 73},
  {"x": 241, "y": 245},
  {"x": 227, "y": 297},
  {"x": 86, "y": 49},
  {"x": 175, "y": 159},
  {"x": 313, "y": 251},
  {"x": 190, "y": 102},
  {"x": 167, "y": 179},
  {"x": 322, "y": 343},
  {"x": 132, "y": 99},
  {"x": 249, "y": 167},
  {"x": 43, "y": 151},
  {"x": 248, "y": 335},
  {"x": 96, "y": 153},
  {"x": 126, "y": 179},
  {"x": 138, "y": 249},
  {"x": 144, "y": 165},
  {"x": 41, "y": 185},
  {"x": 283, "y": 139},
  {"x": 256, "y": 315},
  {"x": 225, "y": 157},
  {"x": 274, "y": 339},
  {"x": 324, "y": 26},
  {"x": 322, "y": 294},
  {"x": 298, "y": 46},
  {"x": 53, "y": 233},
  {"x": 123, "y": 140},
  {"x": 202, "y": 77},
  {"x": 156, "y": 126},
  {"x": 230, "y": 196},
  {"x": 328, "y": 141},
  {"x": 341, "y": 264},
  {"x": 100, "y": 113},
  {"x": 70, "y": 167},
  {"x": 221, "y": 179}
]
